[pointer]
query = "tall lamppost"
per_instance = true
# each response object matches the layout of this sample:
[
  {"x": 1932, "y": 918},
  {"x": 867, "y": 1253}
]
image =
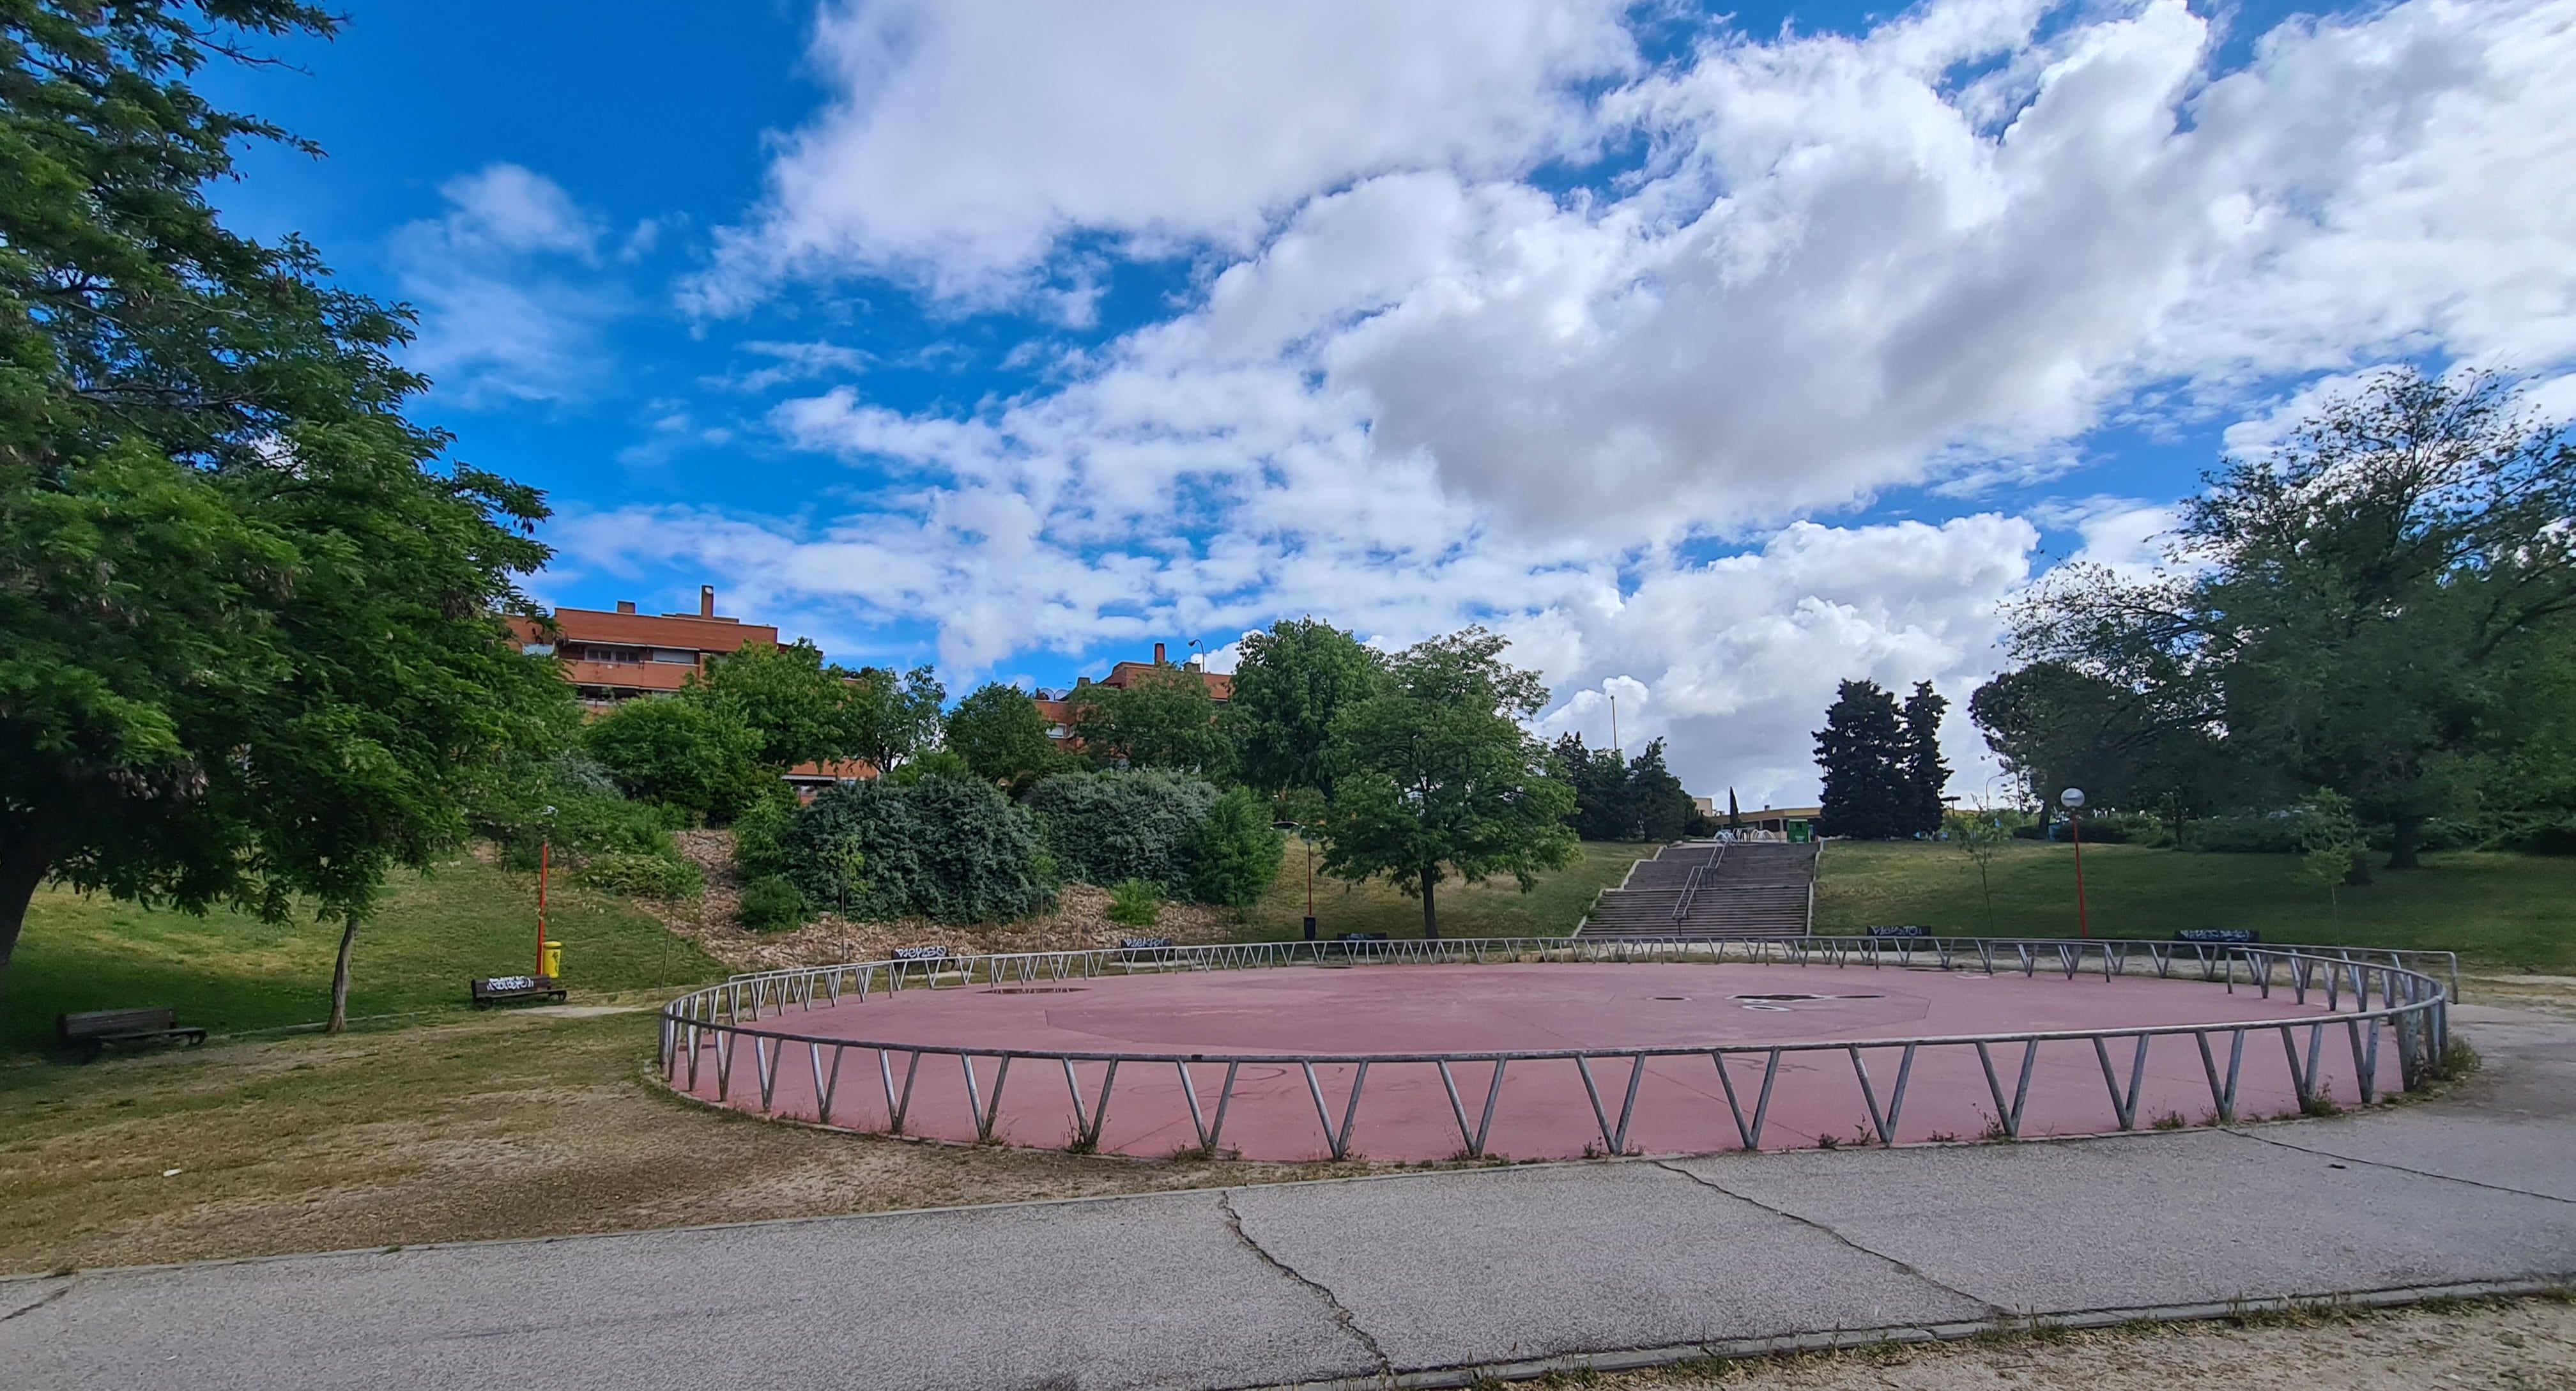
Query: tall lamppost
[
  {"x": 2073, "y": 800},
  {"x": 545, "y": 856},
  {"x": 1310, "y": 870}
]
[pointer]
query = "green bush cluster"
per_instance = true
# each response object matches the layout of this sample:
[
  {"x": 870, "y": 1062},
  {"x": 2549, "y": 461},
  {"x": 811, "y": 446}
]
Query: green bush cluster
[
  {"x": 1135, "y": 903},
  {"x": 1104, "y": 828},
  {"x": 770, "y": 903},
  {"x": 643, "y": 876},
  {"x": 941, "y": 848}
]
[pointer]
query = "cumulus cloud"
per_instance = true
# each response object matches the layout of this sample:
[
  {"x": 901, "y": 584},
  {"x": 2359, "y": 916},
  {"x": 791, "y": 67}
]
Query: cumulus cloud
[
  {"x": 967, "y": 135},
  {"x": 499, "y": 319},
  {"x": 1417, "y": 386}
]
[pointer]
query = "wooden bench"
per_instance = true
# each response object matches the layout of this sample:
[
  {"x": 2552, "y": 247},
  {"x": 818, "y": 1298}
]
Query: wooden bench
[
  {"x": 95, "y": 1029},
  {"x": 2219, "y": 936},
  {"x": 509, "y": 990},
  {"x": 936, "y": 965}
]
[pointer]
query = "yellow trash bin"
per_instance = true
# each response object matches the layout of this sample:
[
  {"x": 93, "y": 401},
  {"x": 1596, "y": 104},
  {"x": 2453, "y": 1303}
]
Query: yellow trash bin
[{"x": 554, "y": 960}]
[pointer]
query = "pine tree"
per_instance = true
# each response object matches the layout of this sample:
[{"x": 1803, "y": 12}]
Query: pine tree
[
  {"x": 1862, "y": 752},
  {"x": 1926, "y": 776}
]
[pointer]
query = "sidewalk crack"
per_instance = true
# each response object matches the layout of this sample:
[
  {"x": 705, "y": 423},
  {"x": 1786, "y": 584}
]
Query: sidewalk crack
[
  {"x": 1705, "y": 1182},
  {"x": 39, "y": 1304},
  {"x": 1332, "y": 1305},
  {"x": 2393, "y": 1168}
]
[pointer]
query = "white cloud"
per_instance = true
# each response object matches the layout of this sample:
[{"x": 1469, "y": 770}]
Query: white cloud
[
  {"x": 499, "y": 319},
  {"x": 965, "y": 136},
  {"x": 1419, "y": 390}
]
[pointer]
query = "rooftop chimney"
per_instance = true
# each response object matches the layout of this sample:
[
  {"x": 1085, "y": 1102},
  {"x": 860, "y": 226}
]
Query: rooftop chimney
[
  {"x": 1158, "y": 654},
  {"x": 626, "y": 606},
  {"x": 706, "y": 601}
]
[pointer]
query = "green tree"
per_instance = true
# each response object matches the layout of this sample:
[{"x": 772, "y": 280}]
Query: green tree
[
  {"x": 2331, "y": 846},
  {"x": 2130, "y": 747},
  {"x": 798, "y": 709},
  {"x": 1288, "y": 685},
  {"x": 1663, "y": 805},
  {"x": 1981, "y": 836},
  {"x": 1002, "y": 736},
  {"x": 690, "y": 755},
  {"x": 1434, "y": 776},
  {"x": 250, "y": 649},
  {"x": 1163, "y": 717},
  {"x": 1862, "y": 752},
  {"x": 894, "y": 716},
  {"x": 2357, "y": 602},
  {"x": 1926, "y": 775},
  {"x": 1605, "y": 806},
  {"x": 1234, "y": 851}
]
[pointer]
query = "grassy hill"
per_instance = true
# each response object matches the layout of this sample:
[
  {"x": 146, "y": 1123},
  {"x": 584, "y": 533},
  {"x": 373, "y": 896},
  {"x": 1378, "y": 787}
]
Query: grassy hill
[
  {"x": 230, "y": 972},
  {"x": 1495, "y": 908},
  {"x": 2504, "y": 911}
]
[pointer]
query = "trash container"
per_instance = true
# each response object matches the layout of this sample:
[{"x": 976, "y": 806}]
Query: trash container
[{"x": 554, "y": 960}]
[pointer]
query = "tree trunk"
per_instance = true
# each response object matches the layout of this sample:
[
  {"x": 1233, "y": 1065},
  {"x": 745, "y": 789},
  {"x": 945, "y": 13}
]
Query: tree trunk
[
  {"x": 340, "y": 979},
  {"x": 22, "y": 868},
  {"x": 1430, "y": 913},
  {"x": 2406, "y": 842}
]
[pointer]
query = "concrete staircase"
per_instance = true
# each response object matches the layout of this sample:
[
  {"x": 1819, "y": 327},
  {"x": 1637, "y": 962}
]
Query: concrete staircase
[{"x": 1708, "y": 889}]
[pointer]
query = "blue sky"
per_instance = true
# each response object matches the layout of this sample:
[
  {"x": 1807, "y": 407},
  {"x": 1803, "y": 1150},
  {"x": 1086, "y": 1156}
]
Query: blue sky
[{"x": 1711, "y": 358}]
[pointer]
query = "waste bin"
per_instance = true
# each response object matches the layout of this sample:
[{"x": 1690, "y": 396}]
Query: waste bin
[{"x": 554, "y": 960}]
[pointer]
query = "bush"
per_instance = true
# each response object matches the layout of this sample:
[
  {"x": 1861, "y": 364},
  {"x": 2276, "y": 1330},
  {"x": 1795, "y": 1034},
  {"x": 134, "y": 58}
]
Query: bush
[
  {"x": 1135, "y": 903},
  {"x": 953, "y": 851},
  {"x": 757, "y": 836},
  {"x": 769, "y": 904},
  {"x": 1107, "y": 827},
  {"x": 2277, "y": 834},
  {"x": 644, "y": 876},
  {"x": 2098, "y": 830},
  {"x": 1233, "y": 852}
]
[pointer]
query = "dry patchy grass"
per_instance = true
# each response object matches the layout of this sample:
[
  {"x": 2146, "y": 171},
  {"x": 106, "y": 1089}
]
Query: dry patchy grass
[{"x": 511, "y": 1125}]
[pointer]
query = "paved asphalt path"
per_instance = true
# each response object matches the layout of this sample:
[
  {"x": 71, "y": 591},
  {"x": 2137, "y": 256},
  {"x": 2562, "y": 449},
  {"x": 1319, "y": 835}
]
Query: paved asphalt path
[{"x": 1421, "y": 1278}]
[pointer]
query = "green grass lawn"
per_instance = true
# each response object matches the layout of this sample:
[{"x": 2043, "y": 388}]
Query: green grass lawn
[
  {"x": 2497, "y": 910},
  {"x": 1495, "y": 908},
  {"x": 229, "y": 972}
]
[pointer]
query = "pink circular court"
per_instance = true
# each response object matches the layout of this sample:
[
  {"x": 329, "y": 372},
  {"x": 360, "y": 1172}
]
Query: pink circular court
[{"x": 1309, "y": 1062}]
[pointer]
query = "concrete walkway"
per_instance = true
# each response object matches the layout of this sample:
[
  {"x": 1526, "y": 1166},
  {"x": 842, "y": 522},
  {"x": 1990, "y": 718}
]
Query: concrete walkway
[{"x": 1426, "y": 1279}]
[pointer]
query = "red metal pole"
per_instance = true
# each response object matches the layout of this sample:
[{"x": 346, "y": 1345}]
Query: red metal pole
[
  {"x": 2075, "y": 827},
  {"x": 545, "y": 854}
]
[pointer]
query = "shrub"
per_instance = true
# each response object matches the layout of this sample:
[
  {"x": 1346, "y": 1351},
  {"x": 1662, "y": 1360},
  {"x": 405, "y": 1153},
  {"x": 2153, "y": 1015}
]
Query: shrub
[
  {"x": 770, "y": 903},
  {"x": 1233, "y": 852},
  {"x": 1135, "y": 903},
  {"x": 2277, "y": 834},
  {"x": 757, "y": 834},
  {"x": 950, "y": 850},
  {"x": 1107, "y": 827},
  {"x": 644, "y": 876}
]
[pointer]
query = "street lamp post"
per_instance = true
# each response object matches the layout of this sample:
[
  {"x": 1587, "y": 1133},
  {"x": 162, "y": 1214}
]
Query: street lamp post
[
  {"x": 1310, "y": 870},
  {"x": 2073, "y": 800}
]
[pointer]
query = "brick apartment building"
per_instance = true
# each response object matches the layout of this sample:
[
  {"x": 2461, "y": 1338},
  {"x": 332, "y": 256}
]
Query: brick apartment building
[{"x": 614, "y": 656}]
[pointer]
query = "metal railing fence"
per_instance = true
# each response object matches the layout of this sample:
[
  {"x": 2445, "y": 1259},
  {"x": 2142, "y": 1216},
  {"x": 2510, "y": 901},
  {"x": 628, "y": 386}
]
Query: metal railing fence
[{"x": 2413, "y": 990}]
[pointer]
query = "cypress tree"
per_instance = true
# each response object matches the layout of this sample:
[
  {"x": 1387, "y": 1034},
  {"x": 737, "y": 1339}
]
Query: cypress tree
[{"x": 1926, "y": 776}]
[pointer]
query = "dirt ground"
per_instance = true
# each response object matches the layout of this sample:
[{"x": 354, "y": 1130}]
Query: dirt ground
[
  {"x": 2520, "y": 1345},
  {"x": 526, "y": 1124}
]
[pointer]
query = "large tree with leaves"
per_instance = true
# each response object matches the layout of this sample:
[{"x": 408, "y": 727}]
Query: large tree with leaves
[
  {"x": 1164, "y": 717},
  {"x": 1289, "y": 684},
  {"x": 1001, "y": 734},
  {"x": 2365, "y": 607},
  {"x": 1434, "y": 775},
  {"x": 249, "y": 643}
]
